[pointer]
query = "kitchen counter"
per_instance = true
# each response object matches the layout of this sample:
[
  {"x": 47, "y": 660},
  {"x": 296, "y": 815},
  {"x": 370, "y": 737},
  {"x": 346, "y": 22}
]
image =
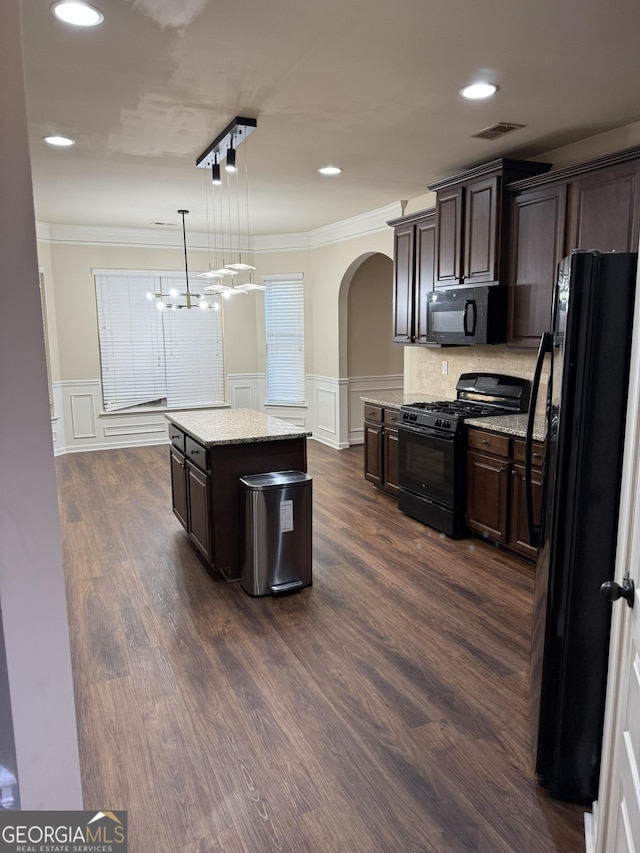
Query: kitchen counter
[
  {"x": 510, "y": 425},
  {"x": 395, "y": 399},
  {"x": 211, "y": 449},
  {"x": 211, "y": 427}
]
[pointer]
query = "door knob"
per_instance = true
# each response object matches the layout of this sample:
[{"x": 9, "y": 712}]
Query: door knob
[{"x": 612, "y": 591}]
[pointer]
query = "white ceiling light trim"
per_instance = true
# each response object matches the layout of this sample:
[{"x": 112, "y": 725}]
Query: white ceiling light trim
[
  {"x": 477, "y": 91},
  {"x": 77, "y": 13}
]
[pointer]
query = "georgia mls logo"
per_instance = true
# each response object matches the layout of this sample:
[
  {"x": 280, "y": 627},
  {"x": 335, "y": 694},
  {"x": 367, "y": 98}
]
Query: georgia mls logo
[{"x": 63, "y": 832}]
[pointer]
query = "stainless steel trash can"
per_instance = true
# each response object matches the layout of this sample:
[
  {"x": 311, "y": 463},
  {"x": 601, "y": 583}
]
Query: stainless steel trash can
[{"x": 277, "y": 524}]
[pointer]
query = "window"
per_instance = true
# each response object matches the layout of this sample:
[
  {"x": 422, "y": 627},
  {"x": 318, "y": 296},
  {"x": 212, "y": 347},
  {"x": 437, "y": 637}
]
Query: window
[
  {"x": 284, "y": 332},
  {"x": 151, "y": 356}
]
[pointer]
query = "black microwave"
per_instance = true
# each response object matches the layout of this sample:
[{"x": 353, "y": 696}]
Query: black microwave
[{"x": 467, "y": 315}]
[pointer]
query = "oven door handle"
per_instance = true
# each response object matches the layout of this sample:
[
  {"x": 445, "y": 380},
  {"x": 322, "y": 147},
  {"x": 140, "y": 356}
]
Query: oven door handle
[{"x": 428, "y": 432}]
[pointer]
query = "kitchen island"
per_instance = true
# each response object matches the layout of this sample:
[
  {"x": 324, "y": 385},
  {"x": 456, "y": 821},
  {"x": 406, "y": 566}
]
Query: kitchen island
[{"x": 210, "y": 450}]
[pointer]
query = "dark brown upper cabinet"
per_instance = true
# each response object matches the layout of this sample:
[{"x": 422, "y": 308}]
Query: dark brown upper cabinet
[
  {"x": 413, "y": 275},
  {"x": 592, "y": 205},
  {"x": 536, "y": 245},
  {"x": 471, "y": 221}
]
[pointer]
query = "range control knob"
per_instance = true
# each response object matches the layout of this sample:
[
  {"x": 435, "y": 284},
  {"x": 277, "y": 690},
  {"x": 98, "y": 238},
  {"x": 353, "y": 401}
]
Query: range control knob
[{"x": 438, "y": 422}]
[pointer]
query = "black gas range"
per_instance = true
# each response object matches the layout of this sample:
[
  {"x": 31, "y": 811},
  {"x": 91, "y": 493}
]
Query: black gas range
[{"x": 432, "y": 447}]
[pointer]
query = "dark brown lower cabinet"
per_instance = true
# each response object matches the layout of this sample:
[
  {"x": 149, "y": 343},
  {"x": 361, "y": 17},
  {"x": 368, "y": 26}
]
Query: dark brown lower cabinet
[
  {"x": 519, "y": 533},
  {"x": 199, "y": 491},
  {"x": 206, "y": 494},
  {"x": 487, "y": 496},
  {"x": 496, "y": 500},
  {"x": 390, "y": 458},
  {"x": 381, "y": 447},
  {"x": 191, "y": 500}
]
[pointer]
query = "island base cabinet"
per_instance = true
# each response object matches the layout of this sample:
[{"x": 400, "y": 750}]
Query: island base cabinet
[
  {"x": 191, "y": 502},
  {"x": 179, "y": 488},
  {"x": 200, "y": 528}
]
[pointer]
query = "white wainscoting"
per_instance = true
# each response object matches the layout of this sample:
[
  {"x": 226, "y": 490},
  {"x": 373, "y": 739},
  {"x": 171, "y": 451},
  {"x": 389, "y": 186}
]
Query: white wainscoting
[
  {"x": 327, "y": 400},
  {"x": 82, "y": 425},
  {"x": 57, "y": 421},
  {"x": 244, "y": 390},
  {"x": 333, "y": 412},
  {"x": 367, "y": 386}
]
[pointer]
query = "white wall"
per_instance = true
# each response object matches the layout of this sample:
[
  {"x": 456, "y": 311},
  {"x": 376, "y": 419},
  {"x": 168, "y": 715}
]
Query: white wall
[{"x": 32, "y": 593}]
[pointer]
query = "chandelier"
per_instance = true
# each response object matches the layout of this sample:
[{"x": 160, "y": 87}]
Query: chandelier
[
  {"x": 184, "y": 298},
  {"x": 226, "y": 191}
]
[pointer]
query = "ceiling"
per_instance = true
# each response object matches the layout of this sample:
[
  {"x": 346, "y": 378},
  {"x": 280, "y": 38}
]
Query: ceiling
[{"x": 372, "y": 86}]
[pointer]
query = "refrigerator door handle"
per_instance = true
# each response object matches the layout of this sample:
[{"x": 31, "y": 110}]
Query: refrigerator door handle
[{"x": 546, "y": 345}]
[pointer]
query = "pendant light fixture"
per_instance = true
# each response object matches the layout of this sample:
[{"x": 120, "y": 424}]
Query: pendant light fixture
[
  {"x": 223, "y": 148},
  {"x": 184, "y": 298}
]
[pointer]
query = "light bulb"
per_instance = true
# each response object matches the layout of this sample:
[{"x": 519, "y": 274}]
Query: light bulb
[
  {"x": 77, "y": 13},
  {"x": 173, "y": 292}
]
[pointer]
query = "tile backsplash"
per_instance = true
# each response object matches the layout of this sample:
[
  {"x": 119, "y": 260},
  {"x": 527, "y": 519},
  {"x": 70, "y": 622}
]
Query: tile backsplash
[{"x": 428, "y": 361}]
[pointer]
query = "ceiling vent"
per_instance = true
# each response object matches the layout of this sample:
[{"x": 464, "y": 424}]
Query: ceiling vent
[{"x": 496, "y": 130}]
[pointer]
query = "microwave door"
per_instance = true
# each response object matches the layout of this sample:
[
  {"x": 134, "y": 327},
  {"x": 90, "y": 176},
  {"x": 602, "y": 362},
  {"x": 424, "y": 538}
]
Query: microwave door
[{"x": 446, "y": 319}]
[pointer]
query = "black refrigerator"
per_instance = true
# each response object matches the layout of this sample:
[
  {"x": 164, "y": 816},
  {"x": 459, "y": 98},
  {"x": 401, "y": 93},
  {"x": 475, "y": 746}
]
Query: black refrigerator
[{"x": 589, "y": 348}]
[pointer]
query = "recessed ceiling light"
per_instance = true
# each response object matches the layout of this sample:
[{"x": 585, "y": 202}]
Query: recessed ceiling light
[
  {"x": 59, "y": 141},
  {"x": 476, "y": 91},
  {"x": 330, "y": 170},
  {"x": 77, "y": 13}
]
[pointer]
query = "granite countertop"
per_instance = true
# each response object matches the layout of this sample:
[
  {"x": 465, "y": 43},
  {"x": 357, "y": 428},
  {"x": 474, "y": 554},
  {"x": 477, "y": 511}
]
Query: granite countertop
[
  {"x": 511, "y": 425},
  {"x": 508, "y": 424},
  {"x": 234, "y": 426},
  {"x": 395, "y": 399}
]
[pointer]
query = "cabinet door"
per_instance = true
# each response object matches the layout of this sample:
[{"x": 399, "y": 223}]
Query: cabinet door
[
  {"x": 519, "y": 533},
  {"x": 481, "y": 249},
  {"x": 403, "y": 277},
  {"x": 536, "y": 245},
  {"x": 425, "y": 273},
  {"x": 603, "y": 210},
  {"x": 448, "y": 236},
  {"x": 390, "y": 460},
  {"x": 199, "y": 486},
  {"x": 373, "y": 452},
  {"x": 179, "y": 487},
  {"x": 487, "y": 495}
]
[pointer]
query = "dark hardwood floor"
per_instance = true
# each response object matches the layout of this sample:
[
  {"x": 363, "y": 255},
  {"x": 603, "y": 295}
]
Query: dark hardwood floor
[{"x": 382, "y": 710}]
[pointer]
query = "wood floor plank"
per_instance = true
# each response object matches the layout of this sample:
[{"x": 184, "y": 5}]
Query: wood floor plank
[{"x": 383, "y": 709}]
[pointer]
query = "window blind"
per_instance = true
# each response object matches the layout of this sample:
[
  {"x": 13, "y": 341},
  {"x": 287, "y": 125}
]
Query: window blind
[
  {"x": 148, "y": 355},
  {"x": 284, "y": 333}
]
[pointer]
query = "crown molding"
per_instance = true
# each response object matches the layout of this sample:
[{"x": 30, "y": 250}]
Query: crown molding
[
  {"x": 357, "y": 226},
  {"x": 89, "y": 235}
]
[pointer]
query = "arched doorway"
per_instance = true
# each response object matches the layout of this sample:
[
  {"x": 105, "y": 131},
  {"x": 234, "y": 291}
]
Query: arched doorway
[{"x": 368, "y": 358}]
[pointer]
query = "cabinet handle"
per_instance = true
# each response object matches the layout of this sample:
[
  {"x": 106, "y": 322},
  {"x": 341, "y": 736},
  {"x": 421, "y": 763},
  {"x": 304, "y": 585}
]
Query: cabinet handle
[
  {"x": 484, "y": 441},
  {"x": 194, "y": 452},
  {"x": 408, "y": 338},
  {"x": 536, "y": 456}
]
